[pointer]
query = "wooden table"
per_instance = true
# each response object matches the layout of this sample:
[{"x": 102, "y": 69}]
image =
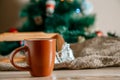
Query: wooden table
[
  {"x": 86, "y": 74},
  {"x": 19, "y": 36}
]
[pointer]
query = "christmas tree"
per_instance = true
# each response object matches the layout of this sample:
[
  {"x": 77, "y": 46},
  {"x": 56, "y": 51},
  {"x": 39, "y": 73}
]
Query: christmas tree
[{"x": 70, "y": 18}]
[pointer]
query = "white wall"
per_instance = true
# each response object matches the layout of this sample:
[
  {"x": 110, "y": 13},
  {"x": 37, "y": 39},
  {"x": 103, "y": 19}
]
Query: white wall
[{"x": 108, "y": 15}]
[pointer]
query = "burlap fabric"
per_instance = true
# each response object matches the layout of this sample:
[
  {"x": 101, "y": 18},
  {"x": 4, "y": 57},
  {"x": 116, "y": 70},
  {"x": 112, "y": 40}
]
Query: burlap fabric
[{"x": 94, "y": 53}]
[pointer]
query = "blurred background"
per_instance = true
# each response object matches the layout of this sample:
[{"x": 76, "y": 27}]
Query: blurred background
[{"x": 107, "y": 11}]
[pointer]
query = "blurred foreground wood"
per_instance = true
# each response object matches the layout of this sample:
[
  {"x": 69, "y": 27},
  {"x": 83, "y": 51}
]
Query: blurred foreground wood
[{"x": 19, "y": 36}]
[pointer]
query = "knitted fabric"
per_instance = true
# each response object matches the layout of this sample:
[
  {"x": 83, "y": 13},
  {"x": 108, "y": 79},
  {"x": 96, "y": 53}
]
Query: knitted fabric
[{"x": 95, "y": 53}]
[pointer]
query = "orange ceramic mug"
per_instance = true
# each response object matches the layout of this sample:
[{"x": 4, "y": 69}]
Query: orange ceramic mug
[{"x": 40, "y": 56}]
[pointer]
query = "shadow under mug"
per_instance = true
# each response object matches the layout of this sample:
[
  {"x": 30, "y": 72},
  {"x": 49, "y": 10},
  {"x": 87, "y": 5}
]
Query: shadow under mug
[{"x": 40, "y": 56}]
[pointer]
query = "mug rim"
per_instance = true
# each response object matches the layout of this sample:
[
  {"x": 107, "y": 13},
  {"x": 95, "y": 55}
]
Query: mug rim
[{"x": 38, "y": 39}]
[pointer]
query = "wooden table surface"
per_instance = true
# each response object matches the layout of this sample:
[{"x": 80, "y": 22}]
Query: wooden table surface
[{"x": 86, "y": 74}]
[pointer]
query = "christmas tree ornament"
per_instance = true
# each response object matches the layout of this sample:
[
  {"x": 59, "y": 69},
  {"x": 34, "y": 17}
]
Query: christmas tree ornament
[
  {"x": 38, "y": 20},
  {"x": 87, "y": 7},
  {"x": 62, "y": 0},
  {"x": 13, "y": 30},
  {"x": 50, "y": 6},
  {"x": 70, "y": 1},
  {"x": 77, "y": 10},
  {"x": 99, "y": 33},
  {"x": 76, "y": 14}
]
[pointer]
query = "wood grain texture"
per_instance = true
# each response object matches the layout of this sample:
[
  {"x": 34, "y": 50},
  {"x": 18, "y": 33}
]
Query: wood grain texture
[
  {"x": 111, "y": 73},
  {"x": 19, "y": 36}
]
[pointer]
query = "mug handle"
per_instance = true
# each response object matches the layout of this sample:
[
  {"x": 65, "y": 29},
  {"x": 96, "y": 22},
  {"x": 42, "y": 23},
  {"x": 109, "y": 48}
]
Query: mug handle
[{"x": 27, "y": 68}]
